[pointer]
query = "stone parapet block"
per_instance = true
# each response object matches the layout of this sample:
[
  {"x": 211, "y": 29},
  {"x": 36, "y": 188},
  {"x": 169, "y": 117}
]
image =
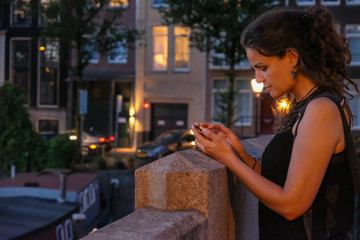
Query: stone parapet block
[
  {"x": 154, "y": 224},
  {"x": 187, "y": 180}
]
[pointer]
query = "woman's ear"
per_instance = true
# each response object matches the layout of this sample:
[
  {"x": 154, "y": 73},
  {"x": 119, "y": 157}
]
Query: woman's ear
[{"x": 293, "y": 56}]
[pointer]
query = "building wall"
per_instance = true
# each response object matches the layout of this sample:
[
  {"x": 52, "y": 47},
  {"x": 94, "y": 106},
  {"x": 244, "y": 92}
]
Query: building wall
[
  {"x": 168, "y": 86},
  {"x": 30, "y": 32},
  {"x": 2, "y": 56}
]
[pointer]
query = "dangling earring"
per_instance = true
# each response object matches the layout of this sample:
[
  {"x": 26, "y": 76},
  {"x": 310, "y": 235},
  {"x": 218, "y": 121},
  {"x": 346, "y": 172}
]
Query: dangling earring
[{"x": 294, "y": 74}]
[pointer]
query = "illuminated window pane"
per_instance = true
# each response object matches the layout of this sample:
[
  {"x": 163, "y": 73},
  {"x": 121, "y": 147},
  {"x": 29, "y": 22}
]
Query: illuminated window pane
[
  {"x": 160, "y": 30},
  {"x": 160, "y": 48},
  {"x": 119, "y": 3},
  {"x": 182, "y": 47}
]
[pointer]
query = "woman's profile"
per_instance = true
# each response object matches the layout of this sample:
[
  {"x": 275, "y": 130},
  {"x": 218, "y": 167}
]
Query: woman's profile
[{"x": 304, "y": 182}]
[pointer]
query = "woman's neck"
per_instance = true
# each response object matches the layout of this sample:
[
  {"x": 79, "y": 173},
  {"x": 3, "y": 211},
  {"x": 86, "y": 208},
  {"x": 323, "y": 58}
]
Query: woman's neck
[{"x": 303, "y": 88}]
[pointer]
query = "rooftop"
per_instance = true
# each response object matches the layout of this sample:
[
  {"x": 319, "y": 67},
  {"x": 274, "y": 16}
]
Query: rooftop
[
  {"x": 22, "y": 215},
  {"x": 49, "y": 180}
]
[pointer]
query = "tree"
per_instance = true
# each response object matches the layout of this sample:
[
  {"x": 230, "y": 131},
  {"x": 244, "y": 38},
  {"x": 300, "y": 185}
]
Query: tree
[
  {"x": 19, "y": 143},
  {"x": 216, "y": 26},
  {"x": 83, "y": 27}
]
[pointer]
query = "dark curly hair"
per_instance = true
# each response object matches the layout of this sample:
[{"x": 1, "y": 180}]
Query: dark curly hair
[{"x": 324, "y": 54}]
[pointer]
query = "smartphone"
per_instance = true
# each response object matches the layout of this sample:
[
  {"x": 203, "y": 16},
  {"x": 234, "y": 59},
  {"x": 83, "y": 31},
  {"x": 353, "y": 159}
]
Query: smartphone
[{"x": 198, "y": 128}]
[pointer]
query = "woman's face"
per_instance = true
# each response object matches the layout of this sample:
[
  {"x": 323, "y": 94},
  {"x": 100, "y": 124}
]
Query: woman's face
[{"x": 274, "y": 72}]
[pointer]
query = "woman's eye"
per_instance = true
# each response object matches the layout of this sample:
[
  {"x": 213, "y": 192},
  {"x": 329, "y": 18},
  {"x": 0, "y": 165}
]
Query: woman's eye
[{"x": 263, "y": 69}]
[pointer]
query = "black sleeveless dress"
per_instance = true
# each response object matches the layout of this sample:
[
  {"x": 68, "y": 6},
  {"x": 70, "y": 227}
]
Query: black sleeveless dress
[{"x": 332, "y": 209}]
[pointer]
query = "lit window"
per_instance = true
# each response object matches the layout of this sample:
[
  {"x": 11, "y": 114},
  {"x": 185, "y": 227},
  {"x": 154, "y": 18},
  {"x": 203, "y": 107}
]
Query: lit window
[
  {"x": 353, "y": 34},
  {"x": 119, "y": 3},
  {"x": 119, "y": 53},
  {"x": 20, "y": 65},
  {"x": 159, "y": 3},
  {"x": 60, "y": 232},
  {"x": 181, "y": 48},
  {"x": 160, "y": 48},
  {"x": 49, "y": 73},
  {"x": 305, "y": 2},
  {"x": 21, "y": 13},
  {"x": 243, "y": 102},
  {"x": 69, "y": 234}
]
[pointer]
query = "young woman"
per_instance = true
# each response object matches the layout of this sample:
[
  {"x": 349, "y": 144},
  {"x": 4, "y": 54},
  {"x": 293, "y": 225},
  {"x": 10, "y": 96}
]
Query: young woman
[{"x": 304, "y": 182}]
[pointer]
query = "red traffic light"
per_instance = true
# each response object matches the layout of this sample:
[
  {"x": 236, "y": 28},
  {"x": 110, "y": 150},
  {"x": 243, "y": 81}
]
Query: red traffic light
[{"x": 146, "y": 105}]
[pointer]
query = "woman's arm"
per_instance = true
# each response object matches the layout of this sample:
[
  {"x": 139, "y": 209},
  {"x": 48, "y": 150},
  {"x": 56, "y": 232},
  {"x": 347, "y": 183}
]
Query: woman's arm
[{"x": 320, "y": 134}]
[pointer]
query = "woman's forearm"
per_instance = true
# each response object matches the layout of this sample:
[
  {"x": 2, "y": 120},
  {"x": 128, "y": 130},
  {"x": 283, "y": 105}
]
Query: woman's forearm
[{"x": 248, "y": 159}]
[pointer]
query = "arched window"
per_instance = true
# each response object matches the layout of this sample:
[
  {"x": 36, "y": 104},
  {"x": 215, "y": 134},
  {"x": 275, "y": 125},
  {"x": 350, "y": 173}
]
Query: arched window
[
  {"x": 82, "y": 202},
  {"x": 69, "y": 234},
  {"x": 60, "y": 232}
]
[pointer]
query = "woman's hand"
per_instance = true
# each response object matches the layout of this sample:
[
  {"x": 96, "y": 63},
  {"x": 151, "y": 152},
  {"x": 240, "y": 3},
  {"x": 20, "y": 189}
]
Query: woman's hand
[
  {"x": 213, "y": 144},
  {"x": 227, "y": 135}
]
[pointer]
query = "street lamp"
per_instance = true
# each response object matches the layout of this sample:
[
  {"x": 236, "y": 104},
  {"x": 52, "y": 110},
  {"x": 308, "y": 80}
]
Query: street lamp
[{"x": 257, "y": 89}]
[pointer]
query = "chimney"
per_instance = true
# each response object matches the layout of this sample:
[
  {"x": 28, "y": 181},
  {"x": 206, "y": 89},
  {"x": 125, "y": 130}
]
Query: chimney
[{"x": 62, "y": 197}]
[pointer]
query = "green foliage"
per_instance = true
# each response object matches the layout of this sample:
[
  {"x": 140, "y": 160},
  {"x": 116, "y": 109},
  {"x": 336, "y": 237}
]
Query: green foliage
[
  {"x": 18, "y": 138},
  {"x": 62, "y": 152},
  {"x": 216, "y": 27}
]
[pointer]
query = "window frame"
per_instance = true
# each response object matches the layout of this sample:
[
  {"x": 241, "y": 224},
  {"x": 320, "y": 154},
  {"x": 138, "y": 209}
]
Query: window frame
[
  {"x": 353, "y": 35},
  {"x": 159, "y": 5},
  {"x": 69, "y": 231},
  {"x": 330, "y": 3},
  {"x": 174, "y": 57},
  {"x": 305, "y": 3},
  {"x": 356, "y": 3},
  {"x": 28, "y": 92},
  {"x": 12, "y": 24},
  {"x": 153, "y": 50},
  {"x": 119, "y": 6},
  {"x": 62, "y": 234},
  {"x": 356, "y": 96},
  {"x": 39, "y": 105},
  {"x": 124, "y": 46},
  {"x": 93, "y": 60},
  {"x": 241, "y": 91}
]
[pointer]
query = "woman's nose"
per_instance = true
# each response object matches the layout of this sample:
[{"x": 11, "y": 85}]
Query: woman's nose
[{"x": 258, "y": 77}]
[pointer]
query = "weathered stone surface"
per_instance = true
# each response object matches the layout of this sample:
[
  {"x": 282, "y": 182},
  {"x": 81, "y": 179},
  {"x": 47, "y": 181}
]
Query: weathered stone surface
[
  {"x": 187, "y": 180},
  {"x": 155, "y": 224},
  {"x": 245, "y": 207}
]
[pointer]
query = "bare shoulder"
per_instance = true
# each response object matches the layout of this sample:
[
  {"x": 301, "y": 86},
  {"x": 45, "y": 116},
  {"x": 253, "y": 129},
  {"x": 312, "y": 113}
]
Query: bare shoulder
[{"x": 322, "y": 107}]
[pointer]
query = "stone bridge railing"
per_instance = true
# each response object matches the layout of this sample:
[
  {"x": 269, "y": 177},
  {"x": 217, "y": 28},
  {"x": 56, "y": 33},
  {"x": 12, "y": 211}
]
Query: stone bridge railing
[{"x": 188, "y": 195}]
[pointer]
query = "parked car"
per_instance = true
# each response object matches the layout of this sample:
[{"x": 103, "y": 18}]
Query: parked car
[
  {"x": 92, "y": 144},
  {"x": 166, "y": 143}
]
